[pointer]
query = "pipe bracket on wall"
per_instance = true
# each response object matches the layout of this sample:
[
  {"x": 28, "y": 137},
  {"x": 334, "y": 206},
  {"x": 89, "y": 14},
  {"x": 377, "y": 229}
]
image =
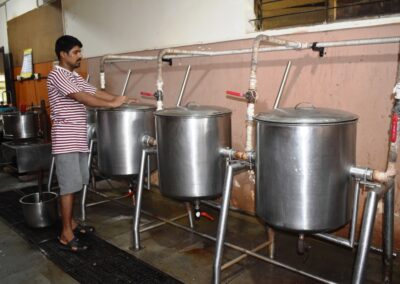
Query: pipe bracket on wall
[
  {"x": 168, "y": 60},
  {"x": 320, "y": 50}
]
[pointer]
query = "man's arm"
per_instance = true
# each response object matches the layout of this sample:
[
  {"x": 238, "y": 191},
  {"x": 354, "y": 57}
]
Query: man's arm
[
  {"x": 109, "y": 97},
  {"x": 104, "y": 95},
  {"x": 94, "y": 101}
]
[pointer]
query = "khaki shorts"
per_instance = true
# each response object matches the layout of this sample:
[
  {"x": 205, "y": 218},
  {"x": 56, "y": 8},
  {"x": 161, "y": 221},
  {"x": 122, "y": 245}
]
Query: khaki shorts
[{"x": 72, "y": 171}]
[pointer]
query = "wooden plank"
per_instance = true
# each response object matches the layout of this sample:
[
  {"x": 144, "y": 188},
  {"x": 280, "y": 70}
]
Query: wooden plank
[
  {"x": 37, "y": 29},
  {"x": 278, "y": 5}
]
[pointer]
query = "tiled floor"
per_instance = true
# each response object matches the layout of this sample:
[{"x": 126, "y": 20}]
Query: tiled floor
[{"x": 182, "y": 254}]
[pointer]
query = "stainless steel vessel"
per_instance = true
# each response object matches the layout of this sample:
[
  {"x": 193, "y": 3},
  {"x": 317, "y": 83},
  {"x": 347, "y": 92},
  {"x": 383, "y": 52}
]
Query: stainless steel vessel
[
  {"x": 304, "y": 155},
  {"x": 17, "y": 125},
  {"x": 40, "y": 209},
  {"x": 91, "y": 116},
  {"x": 119, "y": 134},
  {"x": 189, "y": 140}
]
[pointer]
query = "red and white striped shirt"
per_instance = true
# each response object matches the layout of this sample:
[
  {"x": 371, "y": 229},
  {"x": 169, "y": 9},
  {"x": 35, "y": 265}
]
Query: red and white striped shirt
[{"x": 69, "y": 128}]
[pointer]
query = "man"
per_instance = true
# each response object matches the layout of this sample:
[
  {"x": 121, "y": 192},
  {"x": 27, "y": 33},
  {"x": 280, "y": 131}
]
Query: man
[{"x": 69, "y": 93}]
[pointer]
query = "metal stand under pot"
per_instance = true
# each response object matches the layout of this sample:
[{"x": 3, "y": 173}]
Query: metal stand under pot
[{"x": 307, "y": 183}]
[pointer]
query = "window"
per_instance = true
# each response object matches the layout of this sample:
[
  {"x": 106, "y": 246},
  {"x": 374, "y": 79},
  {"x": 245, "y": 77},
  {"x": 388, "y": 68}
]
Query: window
[{"x": 272, "y": 14}]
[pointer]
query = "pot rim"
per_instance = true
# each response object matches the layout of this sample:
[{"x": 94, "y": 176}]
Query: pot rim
[{"x": 21, "y": 200}]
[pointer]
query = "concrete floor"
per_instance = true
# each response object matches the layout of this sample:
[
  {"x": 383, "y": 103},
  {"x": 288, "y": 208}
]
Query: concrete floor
[{"x": 184, "y": 255}]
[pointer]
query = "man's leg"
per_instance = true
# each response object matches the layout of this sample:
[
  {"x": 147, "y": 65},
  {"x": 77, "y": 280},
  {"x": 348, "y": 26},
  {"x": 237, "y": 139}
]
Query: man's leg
[
  {"x": 67, "y": 203},
  {"x": 70, "y": 181}
]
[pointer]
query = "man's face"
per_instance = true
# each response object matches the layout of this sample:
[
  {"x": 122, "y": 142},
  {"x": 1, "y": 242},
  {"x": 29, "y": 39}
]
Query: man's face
[{"x": 73, "y": 57}]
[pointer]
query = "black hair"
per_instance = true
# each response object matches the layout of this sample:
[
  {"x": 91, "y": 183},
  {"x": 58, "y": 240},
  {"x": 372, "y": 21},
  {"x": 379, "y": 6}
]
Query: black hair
[{"x": 66, "y": 43}]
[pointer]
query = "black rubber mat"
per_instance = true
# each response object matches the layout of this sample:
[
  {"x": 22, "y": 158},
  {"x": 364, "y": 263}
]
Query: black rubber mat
[{"x": 102, "y": 263}]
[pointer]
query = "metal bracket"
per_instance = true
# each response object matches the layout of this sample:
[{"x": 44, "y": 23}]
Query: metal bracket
[
  {"x": 371, "y": 185},
  {"x": 320, "y": 50},
  {"x": 169, "y": 61}
]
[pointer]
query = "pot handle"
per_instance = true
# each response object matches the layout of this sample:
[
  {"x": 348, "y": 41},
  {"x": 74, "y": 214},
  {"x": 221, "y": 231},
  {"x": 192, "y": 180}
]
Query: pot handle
[
  {"x": 191, "y": 104},
  {"x": 304, "y": 105}
]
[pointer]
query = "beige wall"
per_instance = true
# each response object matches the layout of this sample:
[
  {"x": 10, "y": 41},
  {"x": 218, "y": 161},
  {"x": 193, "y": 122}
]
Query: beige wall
[{"x": 357, "y": 79}]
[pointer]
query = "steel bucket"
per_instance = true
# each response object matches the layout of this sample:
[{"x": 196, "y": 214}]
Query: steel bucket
[{"x": 40, "y": 213}]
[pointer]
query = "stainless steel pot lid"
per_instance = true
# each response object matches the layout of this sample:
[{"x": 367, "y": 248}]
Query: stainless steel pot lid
[
  {"x": 194, "y": 110},
  {"x": 306, "y": 114},
  {"x": 130, "y": 107}
]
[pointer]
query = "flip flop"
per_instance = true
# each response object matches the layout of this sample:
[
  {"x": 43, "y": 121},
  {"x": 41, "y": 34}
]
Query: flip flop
[
  {"x": 73, "y": 245},
  {"x": 82, "y": 229}
]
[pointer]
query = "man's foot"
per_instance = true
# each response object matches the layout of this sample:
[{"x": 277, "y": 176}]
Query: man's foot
[
  {"x": 82, "y": 229},
  {"x": 73, "y": 245}
]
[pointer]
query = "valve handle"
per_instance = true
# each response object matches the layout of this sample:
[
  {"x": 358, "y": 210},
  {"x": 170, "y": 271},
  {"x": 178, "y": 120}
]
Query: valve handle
[
  {"x": 146, "y": 94},
  {"x": 207, "y": 216},
  {"x": 233, "y": 93}
]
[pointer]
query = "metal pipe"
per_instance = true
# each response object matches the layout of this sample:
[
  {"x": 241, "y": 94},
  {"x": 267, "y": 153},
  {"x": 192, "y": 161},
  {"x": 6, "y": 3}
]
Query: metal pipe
[
  {"x": 106, "y": 201},
  {"x": 148, "y": 171},
  {"x": 365, "y": 237},
  {"x": 83, "y": 203},
  {"x": 240, "y": 249},
  {"x": 159, "y": 92},
  {"x": 295, "y": 45},
  {"x": 238, "y": 155},
  {"x": 243, "y": 256},
  {"x": 139, "y": 194},
  {"x": 251, "y": 94},
  {"x": 159, "y": 224},
  {"x": 283, "y": 83},
  {"x": 355, "y": 213},
  {"x": 334, "y": 239},
  {"x": 118, "y": 58},
  {"x": 223, "y": 219},
  {"x": 85, "y": 186},
  {"x": 361, "y": 173},
  {"x": 178, "y": 103},
  {"x": 388, "y": 233},
  {"x": 301, "y": 46},
  {"x": 271, "y": 238},
  {"x": 126, "y": 82},
  {"x": 358, "y": 42},
  {"x": 346, "y": 243},
  {"x": 51, "y": 173},
  {"x": 190, "y": 214}
]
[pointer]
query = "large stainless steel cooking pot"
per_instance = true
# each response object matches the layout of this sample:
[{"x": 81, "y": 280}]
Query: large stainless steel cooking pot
[
  {"x": 17, "y": 125},
  {"x": 304, "y": 155},
  {"x": 91, "y": 117},
  {"x": 189, "y": 140},
  {"x": 119, "y": 138}
]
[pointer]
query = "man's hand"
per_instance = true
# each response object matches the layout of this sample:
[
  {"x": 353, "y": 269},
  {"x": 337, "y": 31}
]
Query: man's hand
[
  {"x": 120, "y": 100},
  {"x": 96, "y": 101}
]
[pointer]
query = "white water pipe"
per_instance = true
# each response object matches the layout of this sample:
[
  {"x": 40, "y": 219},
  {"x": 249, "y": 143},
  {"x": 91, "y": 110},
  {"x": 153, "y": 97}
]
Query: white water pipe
[
  {"x": 118, "y": 58},
  {"x": 123, "y": 58},
  {"x": 251, "y": 94},
  {"x": 160, "y": 82}
]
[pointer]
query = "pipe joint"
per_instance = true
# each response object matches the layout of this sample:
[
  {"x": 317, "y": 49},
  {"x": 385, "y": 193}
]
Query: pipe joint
[
  {"x": 251, "y": 96},
  {"x": 361, "y": 173},
  {"x": 396, "y": 92},
  {"x": 102, "y": 80},
  {"x": 147, "y": 140},
  {"x": 159, "y": 95}
]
